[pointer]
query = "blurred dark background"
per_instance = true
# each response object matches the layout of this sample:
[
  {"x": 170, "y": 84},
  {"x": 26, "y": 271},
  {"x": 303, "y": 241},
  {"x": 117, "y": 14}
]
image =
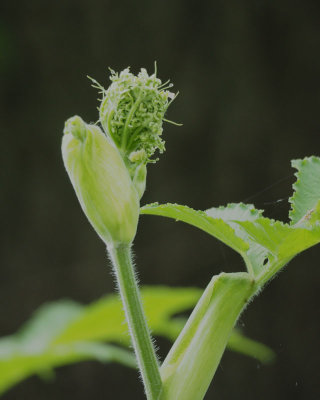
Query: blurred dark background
[{"x": 249, "y": 80}]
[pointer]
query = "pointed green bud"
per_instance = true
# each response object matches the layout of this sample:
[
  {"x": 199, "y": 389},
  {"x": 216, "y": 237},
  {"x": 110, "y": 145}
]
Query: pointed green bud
[{"x": 101, "y": 181}]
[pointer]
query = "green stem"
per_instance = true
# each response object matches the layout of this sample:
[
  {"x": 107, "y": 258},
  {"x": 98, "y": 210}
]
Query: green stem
[
  {"x": 274, "y": 268},
  {"x": 193, "y": 359},
  {"x": 248, "y": 264},
  {"x": 140, "y": 335}
]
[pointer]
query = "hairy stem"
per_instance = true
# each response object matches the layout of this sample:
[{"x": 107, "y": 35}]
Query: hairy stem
[
  {"x": 269, "y": 273},
  {"x": 192, "y": 361},
  {"x": 140, "y": 335}
]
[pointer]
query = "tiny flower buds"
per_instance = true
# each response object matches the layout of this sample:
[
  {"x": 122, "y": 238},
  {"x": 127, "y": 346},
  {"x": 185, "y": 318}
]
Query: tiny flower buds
[
  {"x": 132, "y": 112},
  {"x": 101, "y": 181}
]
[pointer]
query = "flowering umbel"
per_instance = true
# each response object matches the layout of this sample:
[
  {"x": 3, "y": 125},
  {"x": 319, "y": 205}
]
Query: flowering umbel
[
  {"x": 108, "y": 169},
  {"x": 132, "y": 112}
]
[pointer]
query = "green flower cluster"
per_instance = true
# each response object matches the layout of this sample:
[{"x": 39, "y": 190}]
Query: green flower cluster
[{"x": 132, "y": 112}]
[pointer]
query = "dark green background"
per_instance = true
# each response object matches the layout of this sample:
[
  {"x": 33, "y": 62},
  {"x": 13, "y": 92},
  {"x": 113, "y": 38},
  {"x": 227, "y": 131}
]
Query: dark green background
[{"x": 249, "y": 80}]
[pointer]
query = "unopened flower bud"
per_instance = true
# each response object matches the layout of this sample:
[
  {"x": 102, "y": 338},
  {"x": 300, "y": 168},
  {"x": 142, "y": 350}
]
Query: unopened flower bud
[{"x": 101, "y": 181}]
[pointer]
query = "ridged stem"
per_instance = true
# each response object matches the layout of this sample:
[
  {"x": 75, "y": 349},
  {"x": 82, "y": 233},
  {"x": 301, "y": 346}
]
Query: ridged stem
[{"x": 193, "y": 359}]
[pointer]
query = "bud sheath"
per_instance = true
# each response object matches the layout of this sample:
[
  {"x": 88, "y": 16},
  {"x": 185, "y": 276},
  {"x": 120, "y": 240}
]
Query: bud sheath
[{"x": 101, "y": 181}]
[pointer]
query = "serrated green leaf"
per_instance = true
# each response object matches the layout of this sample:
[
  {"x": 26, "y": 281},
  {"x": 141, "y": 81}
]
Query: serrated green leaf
[
  {"x": 306, "y": 197},
  {"x": 282, "y": 240},
  {"x": 265, "y": 239},
  {"x": 240, "y": 212},
  {"x": 313, "y": 218},
  {"x": 221, "y": 223},
  {"x": 214, "y": 226},
  {"x": 235, "y": 212}
]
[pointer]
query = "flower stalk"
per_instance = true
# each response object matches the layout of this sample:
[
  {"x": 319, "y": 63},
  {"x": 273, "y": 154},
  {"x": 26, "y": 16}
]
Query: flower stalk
[{"x": 108, "y": 172}]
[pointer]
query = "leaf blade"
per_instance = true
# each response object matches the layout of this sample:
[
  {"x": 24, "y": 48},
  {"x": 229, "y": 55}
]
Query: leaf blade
[
  {"x": 21, "y": 358},
  {"x": 216, "y": 227},
  {"x": 282, "y": 240},
  {"x": 234, "y": 213},
  {"x": 306, "y": 194}
]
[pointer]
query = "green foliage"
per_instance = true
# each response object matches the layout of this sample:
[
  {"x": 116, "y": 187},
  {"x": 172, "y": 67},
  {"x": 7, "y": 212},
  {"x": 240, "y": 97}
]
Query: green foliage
[
  {"x": 66, "y": 332},
  {"x": 281, "y": 240},
  {"x": 222, "y": 224},
  {"x": 217, "y": 227},
  {"x": 233, "y": 213},
  {"x": 266, "y": 245},
  {"x": 32, "y": 349},
  {"x": 305, "y": 200}
]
